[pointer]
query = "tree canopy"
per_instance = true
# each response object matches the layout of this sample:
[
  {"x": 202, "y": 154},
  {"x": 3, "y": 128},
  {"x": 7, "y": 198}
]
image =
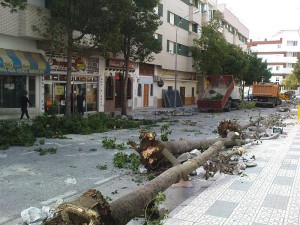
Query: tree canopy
[
  {"x": 14, "y": 5},
  {"x": 136, "y": 41},
  {"x": 291, "y": 81},
  {"x": 213, "y": 55},
  {"x": 74, "y": 26}
]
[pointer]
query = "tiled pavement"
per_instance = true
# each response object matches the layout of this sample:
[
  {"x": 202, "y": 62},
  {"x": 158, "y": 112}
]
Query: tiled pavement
[{"x": 266, "y": 194}]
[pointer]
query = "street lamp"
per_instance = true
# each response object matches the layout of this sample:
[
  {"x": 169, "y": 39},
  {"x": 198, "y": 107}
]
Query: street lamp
[{"x": 176, "y": 53}]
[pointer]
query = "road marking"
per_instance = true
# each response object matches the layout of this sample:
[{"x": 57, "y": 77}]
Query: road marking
[
  {"x": 107, "y": 179},
  {"x": 52, "y": 200}
]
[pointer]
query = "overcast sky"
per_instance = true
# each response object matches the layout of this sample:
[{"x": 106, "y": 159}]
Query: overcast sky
[{"x": 264, "y": 18}]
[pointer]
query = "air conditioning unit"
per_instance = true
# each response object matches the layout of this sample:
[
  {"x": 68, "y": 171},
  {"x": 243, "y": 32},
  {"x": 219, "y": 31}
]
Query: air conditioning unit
[{"x": 156, "y": 78}]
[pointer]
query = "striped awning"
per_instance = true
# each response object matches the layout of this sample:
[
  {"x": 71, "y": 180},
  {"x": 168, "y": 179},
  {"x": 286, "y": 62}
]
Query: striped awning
[{"x": 26, "y": 63}]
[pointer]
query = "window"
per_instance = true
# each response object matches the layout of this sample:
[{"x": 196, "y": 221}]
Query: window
[
  {"x": 289, "y": 65},
  {"x": 160, "y": 10},
  {"x": 193, "y": 92},
  {"x": 277, "y": 79},
  {"x": 277, "y": 68},
  {"x": 195, "y": 27},
  {"x": 291, "y": 54},
  {"x": 171, "y": 18},
  {"x": 170, "y": 47},
  {"x": 197, "y": 4},
  {"x": 292, "y": 43},
  {"x": 12, "y": 90},
  {"x": 109, "y": 88},
  {"x": 151, "y": 90},
  {"x": 170, "y": 88},
  {"x": 158, "y": 37},
  {"x": 139, "y": 90}
]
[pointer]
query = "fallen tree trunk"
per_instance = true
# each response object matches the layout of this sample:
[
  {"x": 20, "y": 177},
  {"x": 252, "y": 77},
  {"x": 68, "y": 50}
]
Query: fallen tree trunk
[
  {"x": 131, "y": 205},
  {"x": 151, "y": 149}
]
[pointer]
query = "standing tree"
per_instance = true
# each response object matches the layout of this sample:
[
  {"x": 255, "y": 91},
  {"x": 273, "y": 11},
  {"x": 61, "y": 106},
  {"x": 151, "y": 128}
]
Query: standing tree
[
  {"x": 69, "y": 27},
  {"x": 291, "y": 81},
  {"x": 214, "y": 55},
  {"x": 136, "y": 42},
  {"x": 209, "y": 51}
]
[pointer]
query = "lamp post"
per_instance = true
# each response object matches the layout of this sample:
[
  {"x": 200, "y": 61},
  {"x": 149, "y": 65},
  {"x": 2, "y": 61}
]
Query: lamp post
[{"x": 176, "y": 53}]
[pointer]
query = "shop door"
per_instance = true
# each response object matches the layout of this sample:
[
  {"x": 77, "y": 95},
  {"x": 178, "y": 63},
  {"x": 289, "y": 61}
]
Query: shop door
[
  {"x": 60, "y": 97},
  {"x": 182, "y": 95},
  {"x": 146, "y": 95},
  {"x": 118, "y": 94},
  {"x": 76, "y": 89}
]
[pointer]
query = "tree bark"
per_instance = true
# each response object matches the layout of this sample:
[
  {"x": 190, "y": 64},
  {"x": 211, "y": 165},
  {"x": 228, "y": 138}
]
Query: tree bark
[
  {"x": 150, "y": 149},
  {"x": 69, "y": 64},
  {"x": 133, "y": 204}
]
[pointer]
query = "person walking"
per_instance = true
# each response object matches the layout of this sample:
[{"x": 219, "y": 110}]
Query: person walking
[
  {"x": 24, "y": 103},
  {"x": 80, "y": 100}
]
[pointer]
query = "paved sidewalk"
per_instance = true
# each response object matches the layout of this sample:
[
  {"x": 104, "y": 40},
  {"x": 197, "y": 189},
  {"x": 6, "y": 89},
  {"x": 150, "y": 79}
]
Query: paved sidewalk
[{"x": 266, "y": 194}]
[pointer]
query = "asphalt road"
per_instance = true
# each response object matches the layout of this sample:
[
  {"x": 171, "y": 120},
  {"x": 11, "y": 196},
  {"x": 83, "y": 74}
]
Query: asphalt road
[{"x": 28, "y": 179}]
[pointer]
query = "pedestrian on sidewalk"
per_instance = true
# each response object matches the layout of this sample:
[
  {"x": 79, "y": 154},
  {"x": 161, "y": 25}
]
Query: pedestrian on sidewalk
[
  {"x": 80, "y": 100},
  {"x": 24, "y": 103}
]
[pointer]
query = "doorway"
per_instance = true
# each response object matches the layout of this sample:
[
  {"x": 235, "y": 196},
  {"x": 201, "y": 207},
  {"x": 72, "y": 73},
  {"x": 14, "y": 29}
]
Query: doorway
[
  {"x": 118, "y": 93},
  {"x": 146, "y": 95},
  {"x": 182, "y": 95}
]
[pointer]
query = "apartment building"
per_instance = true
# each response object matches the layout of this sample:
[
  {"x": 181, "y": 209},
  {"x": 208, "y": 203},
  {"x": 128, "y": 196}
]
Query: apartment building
[
  {"x": 173, "y": 67},
  {"x": 234, "y": 31},
  {"x": 280, "y": 52},
  {"x": 43, "y": 73}
]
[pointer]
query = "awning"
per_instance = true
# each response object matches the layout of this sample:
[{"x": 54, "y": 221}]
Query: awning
[{"x": 25, "y": 63}]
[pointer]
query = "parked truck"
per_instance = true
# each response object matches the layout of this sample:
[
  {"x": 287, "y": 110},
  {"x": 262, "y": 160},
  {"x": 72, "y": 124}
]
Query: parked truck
[
  {"x": 266, "y": 94},
  {"x": 220, "y": 93}
]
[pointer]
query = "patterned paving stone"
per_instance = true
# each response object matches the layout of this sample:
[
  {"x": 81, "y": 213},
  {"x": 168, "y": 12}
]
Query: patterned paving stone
[
  {"x": 256, "y": 169},
  {"x": 289, "y": 166},
  {"x": 240, "y": 185},
  {"x": 263, "y": 195},
  {"x": 221, "y": 209},
  {"x": 283, "y": 180},
  {"x": 276, "y": 201}
]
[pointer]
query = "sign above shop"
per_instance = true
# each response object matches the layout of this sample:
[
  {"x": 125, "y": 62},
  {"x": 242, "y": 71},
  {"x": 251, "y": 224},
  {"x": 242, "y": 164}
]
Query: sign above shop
[
  {"x": 80, "y": 65},
  {"x": 115, "y": 63},
  {"x": 25, "y": 63}
]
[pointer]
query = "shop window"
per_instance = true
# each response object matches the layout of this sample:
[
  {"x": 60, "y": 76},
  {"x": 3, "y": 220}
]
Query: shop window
[
  {"x": 139, "y": 90},
  {"x": 11, "y": 90},
  {"x": 129, "y": 89},
  {"x": 109, "y": 88},
  {"x": 151, "y": 90}
]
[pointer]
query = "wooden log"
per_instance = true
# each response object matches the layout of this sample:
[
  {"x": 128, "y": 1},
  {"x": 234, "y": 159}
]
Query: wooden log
[
  {"x": 86, "y": 209},
  {"x": 133, "y": 204}
]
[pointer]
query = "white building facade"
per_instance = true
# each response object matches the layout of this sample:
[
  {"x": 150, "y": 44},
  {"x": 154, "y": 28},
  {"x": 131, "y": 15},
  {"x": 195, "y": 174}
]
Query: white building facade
[
  {"x": 280, "y": 52},
  {"x": 45, "y": 77}
]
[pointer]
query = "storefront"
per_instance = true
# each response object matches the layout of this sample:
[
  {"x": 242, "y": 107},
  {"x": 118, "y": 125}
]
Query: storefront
[
  {"x": 20, "y": 70},
  {"x": 113, "y": 84},
  {"x": 85, "y": 76}
]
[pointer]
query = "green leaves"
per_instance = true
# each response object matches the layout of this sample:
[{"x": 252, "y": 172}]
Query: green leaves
[{"x": 213, "y": 55}]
